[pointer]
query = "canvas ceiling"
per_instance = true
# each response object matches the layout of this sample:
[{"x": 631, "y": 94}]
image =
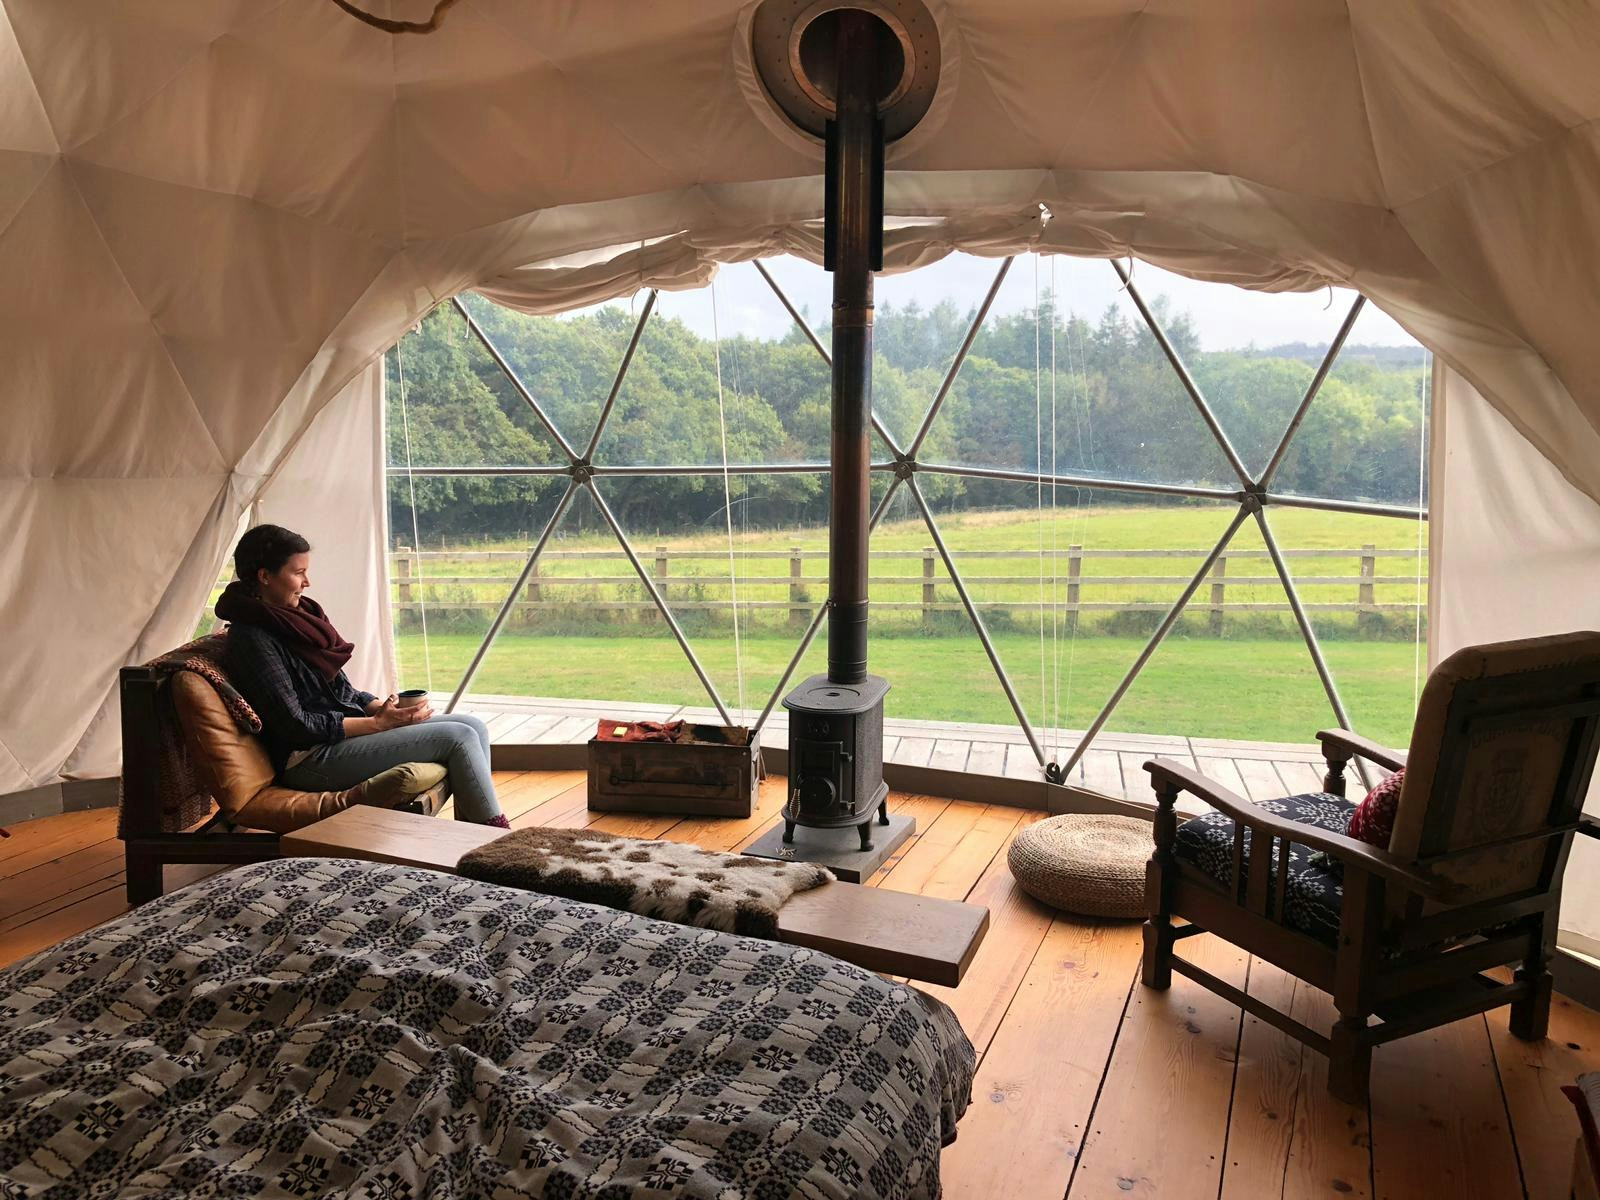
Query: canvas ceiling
[{"x": 215, "y": 213}]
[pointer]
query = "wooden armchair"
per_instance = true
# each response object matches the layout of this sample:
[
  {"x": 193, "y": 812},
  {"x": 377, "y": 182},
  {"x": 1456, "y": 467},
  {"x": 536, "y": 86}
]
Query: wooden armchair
[
  {"x": 252, "y": 811},
  {"x": 1500, "y": 761}
]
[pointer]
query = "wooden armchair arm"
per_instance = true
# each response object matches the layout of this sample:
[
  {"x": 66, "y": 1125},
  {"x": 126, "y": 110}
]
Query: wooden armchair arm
[
  {"x": 1588, "y": 826},
  {"x": 1170, "y": 778},
  {"x": 1339, "y": 746}
]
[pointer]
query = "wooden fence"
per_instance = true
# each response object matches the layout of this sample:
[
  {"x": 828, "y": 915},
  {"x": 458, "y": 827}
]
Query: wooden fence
[{"x": 1067, "y": 589}]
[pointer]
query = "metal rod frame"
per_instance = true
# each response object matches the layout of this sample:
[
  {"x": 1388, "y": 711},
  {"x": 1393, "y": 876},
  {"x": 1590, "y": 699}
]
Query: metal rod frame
[
  {"x": 877, "y": 425},
  {"x": 661, "y": 601},
  {"x": 622, "y": 373},
  {"x": 1159, "y": 636},
  {"x": 977, "y": 622},
  {"x": 961, "y": 357},
  {"x": 1182, "y": 372},
  {"x": 516, "y": 380},
  {"x": 511, "y": 597},
  {"x": 1253, "y": 498},
  {"x": 1312, "y": 389}
]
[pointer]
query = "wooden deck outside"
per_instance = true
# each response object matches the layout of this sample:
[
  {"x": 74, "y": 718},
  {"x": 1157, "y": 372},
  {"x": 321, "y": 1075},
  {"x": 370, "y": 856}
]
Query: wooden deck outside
[
  {"x": 1089, "y": 1086},
  {"x": 1113, "y": 766}
]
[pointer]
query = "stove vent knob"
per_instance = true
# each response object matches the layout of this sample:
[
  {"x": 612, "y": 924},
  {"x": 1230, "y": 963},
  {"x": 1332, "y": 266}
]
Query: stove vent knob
[{"x": 816, "y": 794}]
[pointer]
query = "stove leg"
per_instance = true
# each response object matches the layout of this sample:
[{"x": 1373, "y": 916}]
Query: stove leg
[
  {"x": 865, "y": 830},
  {"x": 883, "y": 812},
  {"x": 788, "y": 831}
]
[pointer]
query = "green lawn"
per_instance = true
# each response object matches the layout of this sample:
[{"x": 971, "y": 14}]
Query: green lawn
[{"x": 1262, "y": 690}]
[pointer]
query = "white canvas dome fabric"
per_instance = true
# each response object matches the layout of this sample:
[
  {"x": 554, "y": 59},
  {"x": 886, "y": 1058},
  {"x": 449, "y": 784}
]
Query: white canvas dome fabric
[{"x": 215, "y": 214}]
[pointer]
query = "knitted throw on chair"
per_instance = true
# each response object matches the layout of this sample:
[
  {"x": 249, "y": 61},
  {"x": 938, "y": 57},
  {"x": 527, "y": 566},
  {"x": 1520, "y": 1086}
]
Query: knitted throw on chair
[
  {"x": 666, "y": 880},
  {"x": 185, "y": 800}
]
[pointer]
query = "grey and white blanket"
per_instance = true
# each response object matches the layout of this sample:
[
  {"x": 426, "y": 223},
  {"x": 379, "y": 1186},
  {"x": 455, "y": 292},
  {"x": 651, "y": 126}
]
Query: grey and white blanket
[{"x": 314, "y": 1027}]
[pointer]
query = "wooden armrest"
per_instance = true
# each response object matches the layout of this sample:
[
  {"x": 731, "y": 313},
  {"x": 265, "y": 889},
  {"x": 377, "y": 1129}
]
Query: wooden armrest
[
  {"x": 1349, "y": 852},
  {"x": 1588, "y": 826},
  {"x": 1355, "y": 744}
]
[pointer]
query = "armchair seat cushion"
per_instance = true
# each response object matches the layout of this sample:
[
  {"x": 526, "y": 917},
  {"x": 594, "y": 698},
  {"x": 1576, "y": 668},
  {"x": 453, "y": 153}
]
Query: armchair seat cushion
[{"x": 1315, "y": 892}]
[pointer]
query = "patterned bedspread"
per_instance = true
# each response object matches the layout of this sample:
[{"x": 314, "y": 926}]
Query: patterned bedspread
[{"x": 320, "y": 1026}]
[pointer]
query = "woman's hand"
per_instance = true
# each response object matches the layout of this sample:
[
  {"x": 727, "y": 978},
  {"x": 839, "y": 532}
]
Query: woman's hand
[{"x": 389, "y": 714}]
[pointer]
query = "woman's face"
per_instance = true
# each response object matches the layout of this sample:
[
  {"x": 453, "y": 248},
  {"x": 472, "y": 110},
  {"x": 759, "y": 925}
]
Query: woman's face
[{"x": 284, "y": 585}]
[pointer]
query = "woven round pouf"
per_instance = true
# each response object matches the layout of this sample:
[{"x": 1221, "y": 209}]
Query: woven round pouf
[{"x": 1085, "y": 864}]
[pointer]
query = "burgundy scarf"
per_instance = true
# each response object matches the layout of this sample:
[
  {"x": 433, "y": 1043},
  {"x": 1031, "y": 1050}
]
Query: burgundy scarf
[{"x": 304, "y": 628}]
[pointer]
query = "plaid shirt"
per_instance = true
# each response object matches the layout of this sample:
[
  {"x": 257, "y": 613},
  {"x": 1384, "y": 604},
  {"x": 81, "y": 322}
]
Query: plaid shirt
[{"x": 299, "y": 709}]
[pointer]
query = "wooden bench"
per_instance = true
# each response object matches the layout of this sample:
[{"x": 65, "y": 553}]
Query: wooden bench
[{"x": 894, "y": 933}]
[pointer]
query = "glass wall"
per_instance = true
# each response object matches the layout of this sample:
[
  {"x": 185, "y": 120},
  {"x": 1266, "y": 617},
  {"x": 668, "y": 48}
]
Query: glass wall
[{"x": 1126, "y": 468}]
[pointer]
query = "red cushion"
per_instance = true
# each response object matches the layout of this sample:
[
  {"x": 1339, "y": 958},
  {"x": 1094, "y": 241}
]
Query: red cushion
[{"x": 1373, "y": 820}]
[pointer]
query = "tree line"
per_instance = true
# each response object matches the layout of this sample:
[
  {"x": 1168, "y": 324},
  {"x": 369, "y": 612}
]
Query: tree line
[{"x": 1110, "y": 407}]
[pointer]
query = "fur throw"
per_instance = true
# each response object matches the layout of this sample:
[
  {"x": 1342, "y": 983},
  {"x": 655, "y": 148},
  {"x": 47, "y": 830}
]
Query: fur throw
[{"x": 666, "y": 880}]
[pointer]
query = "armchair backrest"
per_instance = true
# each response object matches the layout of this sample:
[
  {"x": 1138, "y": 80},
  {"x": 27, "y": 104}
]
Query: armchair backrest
[{"x": 1501, "y": 756}]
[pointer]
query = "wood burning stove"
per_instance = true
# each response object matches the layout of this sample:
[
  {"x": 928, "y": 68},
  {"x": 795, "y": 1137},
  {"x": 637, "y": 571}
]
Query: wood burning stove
[
  {"x": 856, "y": 75},
  {"x": 836, "y": 756}
]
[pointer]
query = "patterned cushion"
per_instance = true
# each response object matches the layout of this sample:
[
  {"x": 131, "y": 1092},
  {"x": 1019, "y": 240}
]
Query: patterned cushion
[
  {"x": 1373, "y": 820},
  {"x": 1315, "y": 893}
]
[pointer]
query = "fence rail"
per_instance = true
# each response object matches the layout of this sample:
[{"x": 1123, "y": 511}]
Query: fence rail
[{"x": 1062, "y": 579}]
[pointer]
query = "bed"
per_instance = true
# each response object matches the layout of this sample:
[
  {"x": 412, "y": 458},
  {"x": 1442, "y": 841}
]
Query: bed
[{"x": 324, "y": 1026}]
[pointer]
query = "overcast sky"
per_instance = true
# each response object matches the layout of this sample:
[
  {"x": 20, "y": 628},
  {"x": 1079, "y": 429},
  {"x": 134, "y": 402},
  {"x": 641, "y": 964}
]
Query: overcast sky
[{"x": 1227, "y": 317}]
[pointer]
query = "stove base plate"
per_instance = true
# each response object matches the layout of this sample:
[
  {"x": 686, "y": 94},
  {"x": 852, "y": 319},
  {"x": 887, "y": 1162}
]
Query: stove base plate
[{"x": 838, "y": 849}]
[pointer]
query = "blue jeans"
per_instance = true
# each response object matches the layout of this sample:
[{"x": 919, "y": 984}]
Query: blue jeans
[{"x": 458, "y": 741}]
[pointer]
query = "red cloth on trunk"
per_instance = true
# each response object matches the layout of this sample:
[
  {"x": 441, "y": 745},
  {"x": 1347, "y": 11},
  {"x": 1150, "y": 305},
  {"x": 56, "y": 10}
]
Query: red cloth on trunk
[{"x": 639, "y": 731}]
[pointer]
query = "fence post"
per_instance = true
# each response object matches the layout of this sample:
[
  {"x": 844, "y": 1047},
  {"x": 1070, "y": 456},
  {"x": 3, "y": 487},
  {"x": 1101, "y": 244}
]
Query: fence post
[
  {"x": 1366, "y": 617},
  {"x": 1219, "y": 592},
  {"x": 402, "y": 572},
  {"x": 661, "y": 579},
  {"x": 798, "y": 615},
  {"x": 1074, "y": 585},
  {"x": 929, "y": 589},
  {"x": 534, "y": 594}
]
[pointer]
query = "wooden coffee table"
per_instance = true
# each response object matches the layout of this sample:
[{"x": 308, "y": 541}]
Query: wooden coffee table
[{"x": 894, "y": 933}]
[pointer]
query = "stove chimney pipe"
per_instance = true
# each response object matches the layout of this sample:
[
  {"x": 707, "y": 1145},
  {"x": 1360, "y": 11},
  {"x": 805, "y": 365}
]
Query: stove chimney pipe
[{"x": 853, "y": 250}]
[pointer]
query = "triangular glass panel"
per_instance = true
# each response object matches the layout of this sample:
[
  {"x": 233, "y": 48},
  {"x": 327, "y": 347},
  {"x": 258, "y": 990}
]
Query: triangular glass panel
[
  {"x": 457, "y": 544},
  {"x": 568, "y": 361},
  {"x": 1065, "y": 378},
  {"x": 585, "y": 640},
  {"x": 450, "y": 405},
  {"x": 1231, "y": 689},
  {"x": 920, "y": 319},
  {"x": 1364, "y": 585},
  {"x": 1254, "y": 353},
  {"x": 741, "y": 608},
  {"x": 772, "y": 384},
  {"x": 1365, "y": 435}
]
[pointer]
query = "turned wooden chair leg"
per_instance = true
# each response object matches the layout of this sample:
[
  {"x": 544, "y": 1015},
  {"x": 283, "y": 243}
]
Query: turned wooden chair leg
[
  {"x": 1349, "y": 1060},
  {"x": 1158, "y": 933},
  {"x": 1157, "y": 971},
  {"x": 145, "y": 881}
]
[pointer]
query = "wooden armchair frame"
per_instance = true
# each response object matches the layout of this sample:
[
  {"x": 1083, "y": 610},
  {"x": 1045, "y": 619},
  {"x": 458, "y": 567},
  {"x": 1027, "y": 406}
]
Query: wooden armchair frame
[
  {"x": 1413, "y": 944},
  {"x": 146, "y": 846}
]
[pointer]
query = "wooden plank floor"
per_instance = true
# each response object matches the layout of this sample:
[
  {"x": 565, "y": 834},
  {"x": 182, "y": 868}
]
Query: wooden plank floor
[
  {"x": 1088, "y": 1085},
  {"x": 1114, "y": 766}
]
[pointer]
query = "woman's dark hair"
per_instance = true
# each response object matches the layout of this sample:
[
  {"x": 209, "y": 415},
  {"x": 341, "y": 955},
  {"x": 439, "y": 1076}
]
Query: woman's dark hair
[{"x": 266, "y": 548}]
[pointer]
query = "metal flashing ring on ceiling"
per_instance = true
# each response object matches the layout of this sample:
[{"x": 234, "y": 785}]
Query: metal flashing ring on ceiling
[{"x": 791, "y": 43}]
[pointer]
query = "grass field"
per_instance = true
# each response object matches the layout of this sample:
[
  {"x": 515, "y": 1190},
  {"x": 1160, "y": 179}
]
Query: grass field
[
  {"x": 1256, "y": 681},
  {"x": 1203, "y": 687}
]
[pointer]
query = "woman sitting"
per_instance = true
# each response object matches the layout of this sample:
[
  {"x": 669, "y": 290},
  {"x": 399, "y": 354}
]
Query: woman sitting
[{"x": 287, "y": 660}]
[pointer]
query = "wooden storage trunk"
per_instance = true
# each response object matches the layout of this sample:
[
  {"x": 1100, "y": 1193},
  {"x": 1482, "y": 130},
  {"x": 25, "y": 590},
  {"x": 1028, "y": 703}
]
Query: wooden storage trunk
[{"x": 715, "y": 775}]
